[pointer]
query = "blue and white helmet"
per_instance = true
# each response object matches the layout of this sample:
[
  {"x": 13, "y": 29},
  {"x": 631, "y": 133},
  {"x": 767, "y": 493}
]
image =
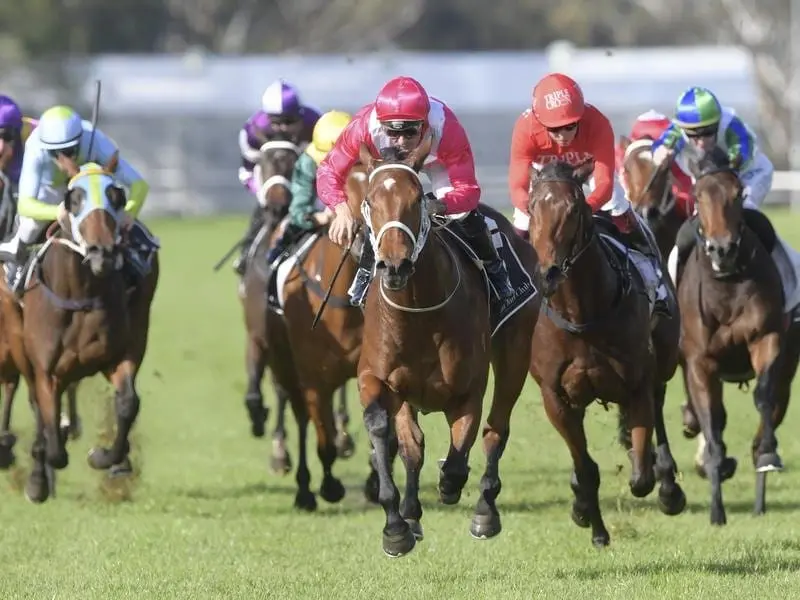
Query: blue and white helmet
[
  {"x": 281, "y": 99},
  {"x": 60, "y": 128}
]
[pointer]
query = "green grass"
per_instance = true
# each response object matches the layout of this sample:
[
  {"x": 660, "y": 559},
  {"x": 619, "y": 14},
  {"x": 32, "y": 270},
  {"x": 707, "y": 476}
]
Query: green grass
[{"x": 206, "y": 519}]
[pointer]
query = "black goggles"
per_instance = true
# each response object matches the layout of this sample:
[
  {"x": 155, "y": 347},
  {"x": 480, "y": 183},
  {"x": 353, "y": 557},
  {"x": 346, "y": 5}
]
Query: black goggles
[{"x": 702, "y": 132}]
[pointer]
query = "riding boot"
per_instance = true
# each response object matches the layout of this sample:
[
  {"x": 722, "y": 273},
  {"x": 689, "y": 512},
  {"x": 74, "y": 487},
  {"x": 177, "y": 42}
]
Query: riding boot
[
  {"x": 256, "y": 221},
  {"x": 480, "y": 240},
  {"x": 15, "y": 265},
  {"x": 366, "y": 264},
  {"x": 637, "y": 240},
  {"x": 284, "y": 242},
  {"x": 685, "y": 241}
]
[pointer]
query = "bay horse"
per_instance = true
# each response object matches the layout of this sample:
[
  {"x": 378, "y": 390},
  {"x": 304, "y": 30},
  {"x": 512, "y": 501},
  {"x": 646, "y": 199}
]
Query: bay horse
[
  {"x": 428, "y": 344},
  {"x": 10, "y": 365},
  {"x": 596, "y": 340},
  {"x": 735, "y": 326},
  {"x": 82, "y": 315},
  {"x": 316, "y": 361}
]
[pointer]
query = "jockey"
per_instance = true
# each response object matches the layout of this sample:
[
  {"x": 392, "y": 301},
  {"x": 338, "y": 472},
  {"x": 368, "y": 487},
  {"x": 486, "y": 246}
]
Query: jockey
[
  {"x": 401, "y": 116},
  {"x": 14, "y": 132},
  {"x": 700, "y": 124},
  {"x": 561, "y": 126},
  {"x": 61, "y": 138},
  {"x": 649, "y": 126},
  {"x": 281, "y": 111},
  {"x": 302, "y": 210}
]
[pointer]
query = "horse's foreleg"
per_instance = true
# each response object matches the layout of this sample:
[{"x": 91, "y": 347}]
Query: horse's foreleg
[
  {"x": 320, "y": 408},
  {"x": 585, "y": 481},
  {"x": 38, "y": 488},
  {"x": 256, "y": 363},
  {"x": 304, "y": 499},
  {"x": 280, "y": 461},
  {"x": 639, "y": 409},
  {"x": 411, "y": 443},
  {"x": 71, "y": 426},
  {"x": 706, "y": 391},
  {"x": 126, "y": 407},
  {"x": 398, "y": 539},
  {"x": 48, "y": 399},
  {"x": 671, "y": 498},
  {"x": 464, "y": 420},
  {"x": 7, "y": 438},
  {"x": 345, "y": 446},
  {"x": 766, "y": 359},
  {"x": 371, "y": 484}
]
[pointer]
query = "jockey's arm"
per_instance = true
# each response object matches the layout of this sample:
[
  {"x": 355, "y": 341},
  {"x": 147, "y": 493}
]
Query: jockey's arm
[
  {"x": 455, "y": 153},
  {"x": 250, "y": 157},
  {"x": 740, "y": 142},
  {"x": 523, "y": 153},
  {"x": 304, "y": 190},
  {"x": 103, "y": 150},
  {"x": 34, "y": 165},
  {"x": 604, "y": 161},
  {"x": 334, "y": 169}
]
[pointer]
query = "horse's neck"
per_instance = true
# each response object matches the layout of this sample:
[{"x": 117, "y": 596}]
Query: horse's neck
[
  {"x": 590, "y": 287},
  {"x": 65, "y": 274}
]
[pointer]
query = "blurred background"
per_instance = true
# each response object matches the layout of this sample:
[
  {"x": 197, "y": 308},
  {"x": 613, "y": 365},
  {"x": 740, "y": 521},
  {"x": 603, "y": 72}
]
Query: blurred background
[{"x": 180, "y": 77}]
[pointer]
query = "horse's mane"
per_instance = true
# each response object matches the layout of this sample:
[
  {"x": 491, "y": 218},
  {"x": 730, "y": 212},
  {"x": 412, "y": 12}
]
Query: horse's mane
[
  {"x": 714, "y": 160},
  {"x": 557, "y": 169},
  {"x": 393, "y": 154}
]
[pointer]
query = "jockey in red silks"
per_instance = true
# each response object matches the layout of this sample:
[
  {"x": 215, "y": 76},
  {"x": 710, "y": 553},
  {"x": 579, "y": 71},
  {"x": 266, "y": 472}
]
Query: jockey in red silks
[
  {"x": 649, "y": 126},
  {"x": 400, "y": 118},
  {"x": 561, "y": 126}
]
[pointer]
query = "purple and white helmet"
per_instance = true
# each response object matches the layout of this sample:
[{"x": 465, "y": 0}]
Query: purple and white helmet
[
  {"x": 10, "y": 114},
  {"x": 281, "y": 99}
]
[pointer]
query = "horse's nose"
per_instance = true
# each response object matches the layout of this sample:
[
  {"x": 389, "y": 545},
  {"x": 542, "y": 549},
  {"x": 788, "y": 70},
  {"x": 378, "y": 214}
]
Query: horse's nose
[
  {"x": 722, "y": 248},
  {"x": 396, "y": 268}
]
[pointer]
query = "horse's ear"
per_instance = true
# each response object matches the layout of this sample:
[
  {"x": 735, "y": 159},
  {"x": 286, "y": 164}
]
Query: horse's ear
[
  {"x": 624, "y": 142},
  {"x": 365, "y": 157},
  {"x": 113, "y": 163},
  {"x": 417, "y": 156},
  {"x": 583, "y": 171}
]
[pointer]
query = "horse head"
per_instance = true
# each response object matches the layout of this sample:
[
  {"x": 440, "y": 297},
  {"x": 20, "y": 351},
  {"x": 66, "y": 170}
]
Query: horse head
[
  {"x": 273, "y": 174},
  {"x": 96, "y": 205},
  {"x": 649, "y": 185},
  {"x": 561, "y": 221},
  {"x": 396, "y": 211},
  {"x": 719, "y": 208}
]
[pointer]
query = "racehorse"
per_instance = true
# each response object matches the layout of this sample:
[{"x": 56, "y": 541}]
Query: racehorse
[
  {"x": 85, "y": 310},
  {"x": 595, "y": 340},
  {"x": 10, "y": 369},
  {"x": 428, "y": 344},
  {"x": 735, "y": 324},
  {"x": 323, "y": 358}
]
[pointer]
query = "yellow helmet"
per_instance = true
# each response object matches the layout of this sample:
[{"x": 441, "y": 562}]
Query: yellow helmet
[{"x": 327, "y": 130}]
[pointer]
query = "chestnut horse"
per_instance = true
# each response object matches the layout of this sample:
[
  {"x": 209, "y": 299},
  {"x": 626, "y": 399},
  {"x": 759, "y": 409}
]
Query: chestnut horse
[
  {"x": 735, "y": 326},
  {"x": 316, "y": 362},
  {"x": 81, "y": 315},
  {"x": 273, "y": 173},
  {"x": 427, "y": 346},
  {"x": 596, "y": 340}
]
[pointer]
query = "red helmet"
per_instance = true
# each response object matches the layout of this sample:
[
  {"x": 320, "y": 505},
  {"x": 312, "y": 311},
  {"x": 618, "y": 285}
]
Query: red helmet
[
  {"x": 557, "y": 101},
  {"x": 402, "y": 99}
]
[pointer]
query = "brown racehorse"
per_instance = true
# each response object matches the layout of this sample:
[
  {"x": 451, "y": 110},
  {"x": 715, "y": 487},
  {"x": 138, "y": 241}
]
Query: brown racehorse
[
  {"x": 10, "y": 368},
  {"x": 594, "y": 341},
  {"x": 319, "y": 360},
  {"x": 80, "y": 317},
  {"x": 427, "y": 347},
  {"x": 734, "y": 327}
]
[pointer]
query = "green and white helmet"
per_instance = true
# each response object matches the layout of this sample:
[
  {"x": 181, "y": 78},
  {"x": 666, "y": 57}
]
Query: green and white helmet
[{"x": 60, "y": 128}]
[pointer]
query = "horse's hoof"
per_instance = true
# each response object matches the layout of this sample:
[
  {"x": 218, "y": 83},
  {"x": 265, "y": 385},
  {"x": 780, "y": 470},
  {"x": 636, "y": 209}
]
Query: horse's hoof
[
  {"x": 672, "y": 503},
  {"x": 281, "y": 465},
  {"x": 305, "y": 500},
  {"x": 398, "y": 544},
  {"x": 258, "y": 414},
  {"x": 690, "y": 434},
  {"x": 691, "y": 428},
  {"x": 371, "y": 488},
  {"x": 331, "y": 490},
  {"x": 345, "y": 446},
  {"x": 580, "y": 518},
  {"x": 416, "y": 529},
  {"x": 641, "y": 487},
  {"x": 7, "y": 458},
  {"x": 59, "y": 461},
  {"x": 75, "y": 429},
  {"x": 121, "y": 469},
  {"x": 601, "y": 540},
  {"x": 36, "y": 490},
  {"x": 700, "y": 469},
  {"x": 769, "y": 462},
  {"x": 718, "y": 518},
  {"x": 100, "y": 459},
  {"x": 448, "y": 497},
  {"x": 485, "y": 526},
  {"x": 728, "y": 468}
]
